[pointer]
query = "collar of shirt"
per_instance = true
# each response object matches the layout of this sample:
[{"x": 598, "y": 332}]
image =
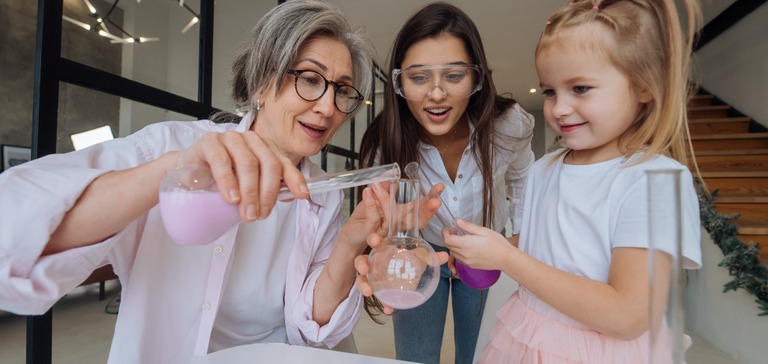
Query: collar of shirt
[{"x": 469, "y": 146}]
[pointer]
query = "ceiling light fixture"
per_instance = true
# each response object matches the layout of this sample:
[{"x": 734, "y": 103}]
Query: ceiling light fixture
[
  {"x": 75, "y": 22},
  {"x": 130, "y": 39},
  {"x": 533, "y": 90}
]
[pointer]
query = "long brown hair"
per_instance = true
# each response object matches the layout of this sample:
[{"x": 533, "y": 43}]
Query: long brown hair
[
  {"x": 393, "y": 134},
  {"x": 649, "y": 46}
]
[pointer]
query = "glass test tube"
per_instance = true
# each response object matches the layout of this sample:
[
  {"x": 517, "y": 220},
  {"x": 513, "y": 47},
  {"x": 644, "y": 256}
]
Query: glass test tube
[
  {"x": 346, "y": 179},
  {"x": 665, "y": 272}
]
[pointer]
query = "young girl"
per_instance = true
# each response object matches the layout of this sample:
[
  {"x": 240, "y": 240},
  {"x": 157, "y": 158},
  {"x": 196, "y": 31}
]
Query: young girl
[
  {"x": 614, "y": 74},
  {"x": 441, "y": 110}
]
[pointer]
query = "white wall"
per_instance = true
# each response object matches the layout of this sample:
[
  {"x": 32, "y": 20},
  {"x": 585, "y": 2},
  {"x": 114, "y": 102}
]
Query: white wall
[
  {"x": 727, "y": 320},
  {"x": 734, "y": 66}
]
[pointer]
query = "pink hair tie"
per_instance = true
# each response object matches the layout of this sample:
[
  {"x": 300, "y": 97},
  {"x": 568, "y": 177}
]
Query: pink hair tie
[
  {"x": 548, "y": 22},
  {"x": 595, "y": 7}
]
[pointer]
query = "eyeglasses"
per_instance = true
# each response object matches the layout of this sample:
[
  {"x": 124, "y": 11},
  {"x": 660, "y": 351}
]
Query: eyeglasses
[
  {"x": 415, "y": 83},
  {"x": 311, "y": 86}
]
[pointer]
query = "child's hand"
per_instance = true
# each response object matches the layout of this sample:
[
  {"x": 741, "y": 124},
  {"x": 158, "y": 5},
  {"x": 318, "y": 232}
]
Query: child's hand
[{"x": 482, "y": 249}]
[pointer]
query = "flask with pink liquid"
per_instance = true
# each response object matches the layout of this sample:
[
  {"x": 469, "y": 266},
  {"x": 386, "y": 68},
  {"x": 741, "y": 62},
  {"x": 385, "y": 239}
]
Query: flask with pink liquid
[
  {"x": 194, "y": 213},
  {"x": 404, "y": 270},
  {"x": 474, "y": 278}
]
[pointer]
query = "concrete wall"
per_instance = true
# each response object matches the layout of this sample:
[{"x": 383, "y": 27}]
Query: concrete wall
[
  {"x": 79, "y": 109},
  {"x": 727, "y": 320},
  {"x": 734, "y": 66}
]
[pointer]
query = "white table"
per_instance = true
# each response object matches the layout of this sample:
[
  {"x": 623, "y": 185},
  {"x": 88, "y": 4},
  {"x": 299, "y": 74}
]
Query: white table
[{"x": 287, "y": 354}]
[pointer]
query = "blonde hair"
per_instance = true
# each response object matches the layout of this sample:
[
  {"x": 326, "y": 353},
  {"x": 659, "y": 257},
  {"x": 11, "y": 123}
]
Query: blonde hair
[{"x": 646, "y": 43}]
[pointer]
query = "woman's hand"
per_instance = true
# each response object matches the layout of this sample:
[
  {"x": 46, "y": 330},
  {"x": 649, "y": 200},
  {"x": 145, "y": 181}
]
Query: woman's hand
[
  {"x": 371, "y": 215},
  {"x": 247, "y": 170},
  {"x": 481, "y": 248},
  {"x": 361, "y": 264}
]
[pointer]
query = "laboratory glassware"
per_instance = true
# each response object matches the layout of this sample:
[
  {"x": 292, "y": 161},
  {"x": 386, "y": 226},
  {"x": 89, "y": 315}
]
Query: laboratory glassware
[
  {"x": 404, "y": 270},
  {"x": 474, "y": 278},
  {"x": 194, "y": 213},
  {"x": 665, "y": 273}
]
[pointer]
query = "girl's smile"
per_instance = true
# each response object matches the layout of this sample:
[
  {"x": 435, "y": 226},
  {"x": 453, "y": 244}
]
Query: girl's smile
[{"x": 588, "y": 101}]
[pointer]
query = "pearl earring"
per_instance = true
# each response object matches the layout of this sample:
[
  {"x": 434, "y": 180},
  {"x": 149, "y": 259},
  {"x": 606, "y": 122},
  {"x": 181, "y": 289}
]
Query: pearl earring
[{"x": 258, "y": 105}]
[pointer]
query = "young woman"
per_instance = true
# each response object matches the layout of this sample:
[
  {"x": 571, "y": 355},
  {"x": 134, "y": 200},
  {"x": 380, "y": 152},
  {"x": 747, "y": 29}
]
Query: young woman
[{"x": 441, "y": 109}]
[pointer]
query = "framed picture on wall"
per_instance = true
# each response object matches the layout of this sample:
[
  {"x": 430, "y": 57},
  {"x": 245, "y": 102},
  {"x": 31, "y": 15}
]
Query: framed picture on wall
[{"x": 13, "y": 155}]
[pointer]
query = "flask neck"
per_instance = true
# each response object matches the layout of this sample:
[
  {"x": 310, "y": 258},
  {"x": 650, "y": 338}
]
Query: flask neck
[{"x": 404, "y": 209}]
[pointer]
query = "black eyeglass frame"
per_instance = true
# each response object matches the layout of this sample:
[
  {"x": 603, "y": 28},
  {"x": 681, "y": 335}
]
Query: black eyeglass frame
[{"x": 336, "y": 87}]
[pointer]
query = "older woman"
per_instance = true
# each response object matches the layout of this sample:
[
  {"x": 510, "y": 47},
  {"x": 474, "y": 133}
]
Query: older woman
[{"x": 286, "y": 275}]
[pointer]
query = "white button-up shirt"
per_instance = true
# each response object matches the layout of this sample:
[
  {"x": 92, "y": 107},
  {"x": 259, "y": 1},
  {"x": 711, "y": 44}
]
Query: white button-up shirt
[
  {"x": 464, "y": 196},
  {"x": 171, "y": 293}
]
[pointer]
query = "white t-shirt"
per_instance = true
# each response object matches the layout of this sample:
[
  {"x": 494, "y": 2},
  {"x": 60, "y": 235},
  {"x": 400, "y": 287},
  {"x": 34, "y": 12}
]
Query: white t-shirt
[
  {"x": 251, "y": 310},
  {"x": 575, "y": 215}
]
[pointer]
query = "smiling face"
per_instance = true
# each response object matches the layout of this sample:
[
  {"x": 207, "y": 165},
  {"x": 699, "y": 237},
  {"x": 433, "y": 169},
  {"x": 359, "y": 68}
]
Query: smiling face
[
  {"x": 587, "y": 99},
  {"x": 298, "y": 127},
  {"x": 437, "y": 113}
]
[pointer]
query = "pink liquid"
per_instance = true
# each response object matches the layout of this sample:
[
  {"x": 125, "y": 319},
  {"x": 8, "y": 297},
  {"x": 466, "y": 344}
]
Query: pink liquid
[
  {"x": 400, "y": 299},
  {"x": 197, "y": 217}
]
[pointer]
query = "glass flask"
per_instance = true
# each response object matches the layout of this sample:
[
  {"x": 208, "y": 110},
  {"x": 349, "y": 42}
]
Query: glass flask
[
  {"x": 404, "y": 270},
  {"x": 665, "y": 271},
  {"x": 194, "y": 213},
  {"x": 474, "y": 278}
]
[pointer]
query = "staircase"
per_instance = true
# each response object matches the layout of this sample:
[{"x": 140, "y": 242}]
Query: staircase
[{"x": 732, "y": 153}]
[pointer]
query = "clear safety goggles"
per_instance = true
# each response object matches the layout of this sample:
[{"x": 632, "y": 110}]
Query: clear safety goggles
[{"x": 416, "y": 83}]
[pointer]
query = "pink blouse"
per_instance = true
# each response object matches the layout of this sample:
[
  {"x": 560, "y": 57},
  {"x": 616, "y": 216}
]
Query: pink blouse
[{"x": 170, "y": 292}]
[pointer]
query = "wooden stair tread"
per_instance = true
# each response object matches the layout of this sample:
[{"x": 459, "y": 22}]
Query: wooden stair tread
[
  {"x": 739, "y": 198},
  {"x": 719, "y": 120},
  {"x": 731, "y": 152},
  {"x": 730, "y": 136},
  {"x": 709, "y": 108},
  {"x": 751, "y": 227},
  {"x": 731, "y": 174},
  {"x": 710, "y": 96}
]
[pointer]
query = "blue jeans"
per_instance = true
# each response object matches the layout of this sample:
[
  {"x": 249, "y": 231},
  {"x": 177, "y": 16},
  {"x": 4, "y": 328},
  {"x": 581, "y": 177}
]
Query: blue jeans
[{"x": 419, "y": 331}]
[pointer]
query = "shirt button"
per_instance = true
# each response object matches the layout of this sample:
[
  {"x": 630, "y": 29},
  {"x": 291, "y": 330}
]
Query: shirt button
[
  {"x": 218, "y": 249},
  {"x": 206, "y": 306},
  {"x": 194, "y": 358},
  {"x": 461, "y": 176},
  {"x": 455, "y": 198}
]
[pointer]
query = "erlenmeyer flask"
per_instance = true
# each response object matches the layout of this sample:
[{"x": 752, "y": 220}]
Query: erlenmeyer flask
[
  {"x": 404, "y": 270},
  {"x": 192, "y": 209},
  {"x": 194, "y": 213},
  {"x": 474, "y": 278}
]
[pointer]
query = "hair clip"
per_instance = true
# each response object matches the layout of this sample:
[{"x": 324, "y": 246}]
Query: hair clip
[
  {"x": 549, "y": 22},
  {"x": 596, "y": 7},
  {"x": 570, "y": 3}
]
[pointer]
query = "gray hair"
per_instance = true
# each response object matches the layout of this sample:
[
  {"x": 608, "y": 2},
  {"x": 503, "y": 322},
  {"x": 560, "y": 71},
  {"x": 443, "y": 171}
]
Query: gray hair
[{"x": 274, "y": 43}]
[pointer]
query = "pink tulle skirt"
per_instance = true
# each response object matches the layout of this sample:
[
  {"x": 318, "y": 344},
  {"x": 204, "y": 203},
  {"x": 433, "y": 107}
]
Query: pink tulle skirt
[{"x": 529, "y": 331}]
